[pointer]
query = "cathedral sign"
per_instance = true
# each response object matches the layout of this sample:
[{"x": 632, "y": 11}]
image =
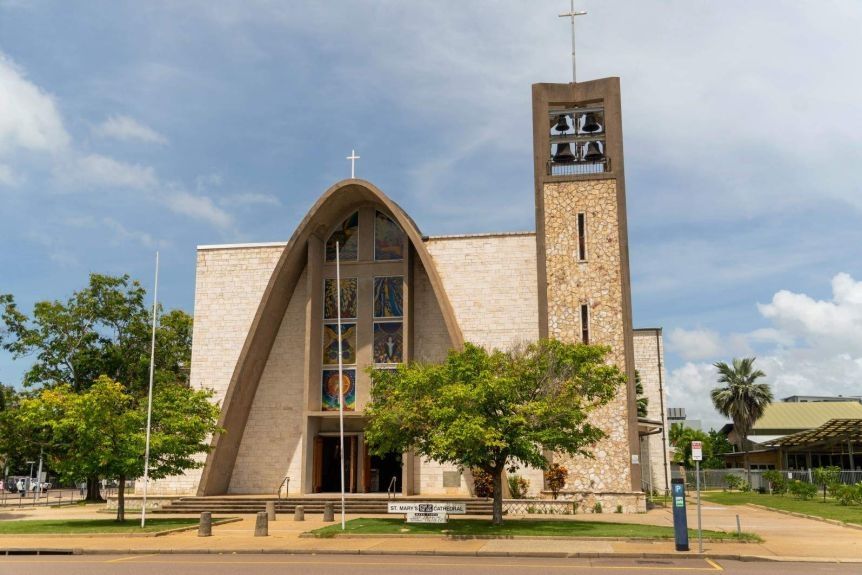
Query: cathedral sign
[{"x": 428, "y": 512}]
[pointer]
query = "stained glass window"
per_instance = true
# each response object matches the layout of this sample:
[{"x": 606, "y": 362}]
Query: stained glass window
[
  {"x": 389, "y": 297},
  {"x": 347, "y": 236},
  {"x": 348, "y": 298},
  {"x": 329, "y": 389},
  {"x": 330, "y": 343},
  {"x": 388, "y": 342},
  {"x": 388, "y": 239}
]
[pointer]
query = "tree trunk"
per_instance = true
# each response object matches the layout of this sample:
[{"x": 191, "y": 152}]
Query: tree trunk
[
  {"x": 498, "y": 495},
  {"x": 747, "y": 467},
  {"x": 121, "y": 499},
  {"x": 93, "y": 493}
]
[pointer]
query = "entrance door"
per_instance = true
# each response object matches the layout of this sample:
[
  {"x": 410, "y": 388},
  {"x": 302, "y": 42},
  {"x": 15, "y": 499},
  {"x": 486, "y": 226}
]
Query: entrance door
[
  {"x": 383, "y": 471},
  {"x": 328, "y": 464}
]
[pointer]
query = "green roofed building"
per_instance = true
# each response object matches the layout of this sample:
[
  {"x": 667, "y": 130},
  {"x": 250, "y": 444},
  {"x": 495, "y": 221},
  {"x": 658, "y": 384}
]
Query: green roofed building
[{"x": 804, "y": 435}]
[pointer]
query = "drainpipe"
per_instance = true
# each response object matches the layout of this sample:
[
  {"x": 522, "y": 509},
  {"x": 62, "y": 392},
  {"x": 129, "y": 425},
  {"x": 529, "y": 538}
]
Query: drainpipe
[{"x": 663, "y": 414}]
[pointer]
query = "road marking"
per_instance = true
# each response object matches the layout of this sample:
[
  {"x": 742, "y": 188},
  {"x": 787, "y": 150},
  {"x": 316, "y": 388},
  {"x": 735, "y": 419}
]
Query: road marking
[
  {"x": 129, "y": 558},
  {"x": 134, "y": 559}
]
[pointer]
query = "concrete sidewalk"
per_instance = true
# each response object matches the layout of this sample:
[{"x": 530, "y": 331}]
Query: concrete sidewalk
[{"x": 786, "y": 538}]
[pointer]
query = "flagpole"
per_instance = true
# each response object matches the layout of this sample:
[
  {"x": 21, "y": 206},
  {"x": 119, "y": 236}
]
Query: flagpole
[
  {"x": 150, "y": 397},
  {"x": 340, "y": 373}
]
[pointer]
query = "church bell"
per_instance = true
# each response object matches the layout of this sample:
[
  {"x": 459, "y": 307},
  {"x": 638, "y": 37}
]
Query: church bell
[
  {"x": 591, "y": 123},
  {"x": 564, "y": 154},
  {"x": 562, "y": 123},
  {"x": 594, "y": 154}
]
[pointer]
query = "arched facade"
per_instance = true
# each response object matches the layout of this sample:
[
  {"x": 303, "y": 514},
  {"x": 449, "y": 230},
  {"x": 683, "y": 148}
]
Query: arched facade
[{"x": 383, "y": 253}]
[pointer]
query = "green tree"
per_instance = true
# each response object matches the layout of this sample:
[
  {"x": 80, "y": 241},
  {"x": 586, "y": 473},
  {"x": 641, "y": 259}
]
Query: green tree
[
  {"x": 642, "y": 400},
  {"x": 715, "y": 445},
  {"x": 493, "y": 410},
  {"x": 741, "y": 398},
  {"x": 827, "y": 477},
  {"x": 103, "y": 329},
  {"x": 718, "y": 446},
  {"x": 101, "y": 431}
]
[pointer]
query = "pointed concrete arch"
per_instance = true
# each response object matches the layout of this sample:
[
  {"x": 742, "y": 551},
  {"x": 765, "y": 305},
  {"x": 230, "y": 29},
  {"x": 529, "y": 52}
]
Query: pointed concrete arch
[{"x": 236, "y": 406}]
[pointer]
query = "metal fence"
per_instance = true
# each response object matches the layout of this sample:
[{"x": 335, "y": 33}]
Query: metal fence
[
  {"x": 538, "y": 507},
  {"x": 717, "y": 478},
  {"x": 44, "y": 499}
]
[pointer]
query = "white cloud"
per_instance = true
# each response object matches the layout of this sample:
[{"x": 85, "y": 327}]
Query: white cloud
[
  {"x": 99, "y": 170},
  {"x": 249, "y": 199},
  {"x": 834, "y": 325},
  {"x": 29, "y": 118},
  {"x": 814, "y": 347},
  {"x": 7, "y": 177},
  {"x": 695, "y": 343},
  {"x": 198, "y": 207},
  {"x": 125, "y": 128}
]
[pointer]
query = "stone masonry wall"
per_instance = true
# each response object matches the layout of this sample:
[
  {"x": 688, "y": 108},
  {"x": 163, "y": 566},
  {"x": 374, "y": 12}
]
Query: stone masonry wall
[
  {"x": 597, "y": 283},
  {"x": 491, "y": 283},
  {"x": 649, "y": 361},
  {"x": 271, "y": 444},
  {"x": 229, "y": 283}
]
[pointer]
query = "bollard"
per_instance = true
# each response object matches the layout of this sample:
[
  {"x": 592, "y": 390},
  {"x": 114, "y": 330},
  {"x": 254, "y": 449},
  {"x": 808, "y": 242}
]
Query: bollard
[
  {"x": 329, "y": 511},
  {"x": 299, "y": 513},
  {"x": 261, "y": 526},
  {"x": 205, "y": 528},
  {"x": 738, "y": 527},
  {"x": 270, "y": 510}
]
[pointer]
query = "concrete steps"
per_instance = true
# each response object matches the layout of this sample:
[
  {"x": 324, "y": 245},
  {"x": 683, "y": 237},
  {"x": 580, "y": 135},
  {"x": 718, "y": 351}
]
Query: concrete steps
[{"x": 353, "y": 505}]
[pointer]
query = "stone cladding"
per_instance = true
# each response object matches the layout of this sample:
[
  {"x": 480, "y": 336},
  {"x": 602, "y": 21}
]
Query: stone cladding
[
  {"x": 271, "y": 444},
  {"x": 649, "y": 361},
  {"x": 229, "y": 284},
  {"x": 597, "y": 283},
  {"x": 491, "y": 283}
]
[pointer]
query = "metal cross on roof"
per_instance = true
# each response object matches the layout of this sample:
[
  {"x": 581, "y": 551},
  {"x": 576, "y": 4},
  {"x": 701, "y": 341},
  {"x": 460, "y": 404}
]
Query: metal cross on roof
[
  {"x": 571, "y": 14},
  {"x": 352, "y": 157}
]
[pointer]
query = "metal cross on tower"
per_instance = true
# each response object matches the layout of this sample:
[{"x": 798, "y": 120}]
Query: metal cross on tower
[
  {"x": 352, "y": 157},
  {"x": 571, "y": 14}
]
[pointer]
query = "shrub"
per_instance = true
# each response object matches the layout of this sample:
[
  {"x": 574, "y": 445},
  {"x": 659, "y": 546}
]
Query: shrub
[
  {"x": 483, "y": 483},
  {"x": 555, "y": 477},
  {"x": 619, "y": 509},
  {"x": 827, "y": 477},
  {"x": 518, "y": 486},
  {"x": 777, "y": 481},
  {"x": 734, "y": 482},
  {"x": 597, "y": 508},
  {"x": 847, "y": 494},
  {"x": 802, "y": 490}
]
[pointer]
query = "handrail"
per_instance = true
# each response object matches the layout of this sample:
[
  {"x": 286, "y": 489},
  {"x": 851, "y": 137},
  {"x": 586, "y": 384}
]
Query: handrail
[
  {"x": 390, "y": 491},
  {"x": 287, "y": 489}
]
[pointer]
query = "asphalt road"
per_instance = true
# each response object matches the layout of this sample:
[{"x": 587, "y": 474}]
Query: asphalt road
[{"x": 374, "y": 565}]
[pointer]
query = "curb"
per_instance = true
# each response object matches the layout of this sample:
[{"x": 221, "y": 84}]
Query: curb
[
  {"x": 451, "y": 537},
  {"x": 804, "y": 516},
  {"x": 438, "y": 553}
]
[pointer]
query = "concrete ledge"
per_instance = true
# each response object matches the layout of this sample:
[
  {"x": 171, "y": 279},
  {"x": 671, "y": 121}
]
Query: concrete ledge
[
  {"x": 531, "y": 554},
  {"x": 448, "y": 537}
]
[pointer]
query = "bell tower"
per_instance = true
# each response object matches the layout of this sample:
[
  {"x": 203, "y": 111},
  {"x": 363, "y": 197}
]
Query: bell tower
[{"x": 583, "y": 261}]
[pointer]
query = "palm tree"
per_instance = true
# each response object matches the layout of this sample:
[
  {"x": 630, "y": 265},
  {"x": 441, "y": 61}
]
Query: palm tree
[{"x": 741, "y": 399}]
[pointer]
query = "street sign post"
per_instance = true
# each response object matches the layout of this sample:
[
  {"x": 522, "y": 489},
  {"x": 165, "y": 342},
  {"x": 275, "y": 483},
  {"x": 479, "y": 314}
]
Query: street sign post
[{"x": 697, "y": 456}]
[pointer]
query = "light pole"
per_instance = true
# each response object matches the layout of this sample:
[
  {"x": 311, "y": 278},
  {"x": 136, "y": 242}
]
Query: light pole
[{"x": 30, "y": 476}]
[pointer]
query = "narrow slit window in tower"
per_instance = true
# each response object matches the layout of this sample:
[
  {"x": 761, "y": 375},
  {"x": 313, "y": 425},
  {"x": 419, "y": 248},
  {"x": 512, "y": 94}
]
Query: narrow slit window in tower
[
  {"x": 582, "y": 236},
  {"x": 585, "y": 324}
]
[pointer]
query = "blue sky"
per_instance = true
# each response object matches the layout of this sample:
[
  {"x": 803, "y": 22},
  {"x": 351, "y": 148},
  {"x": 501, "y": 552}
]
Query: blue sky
[{"x": 131, "y": 126}]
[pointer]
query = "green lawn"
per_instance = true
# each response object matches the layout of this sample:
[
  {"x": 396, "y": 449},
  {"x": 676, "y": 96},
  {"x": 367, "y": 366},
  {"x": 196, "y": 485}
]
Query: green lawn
[
  {"x": 470, "y": 527},
  {"x": 75, "y": 526},
  {"x": 828, "y": 509}
]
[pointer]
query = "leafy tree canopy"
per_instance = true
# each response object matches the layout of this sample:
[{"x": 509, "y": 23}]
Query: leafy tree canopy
[
  {"x": 492, "y": 410},
  {"x": 101, "y": 431},
  {"x": 102, "y": 329},
  {"x": 715, "y": 445}
]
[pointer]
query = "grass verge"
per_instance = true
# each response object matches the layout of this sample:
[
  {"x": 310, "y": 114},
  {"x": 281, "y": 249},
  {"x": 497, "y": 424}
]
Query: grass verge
[
  {"x": 89, "y": 526},
  {"x": 536, "y": 528},
  {"x": 829, "y": 509}
]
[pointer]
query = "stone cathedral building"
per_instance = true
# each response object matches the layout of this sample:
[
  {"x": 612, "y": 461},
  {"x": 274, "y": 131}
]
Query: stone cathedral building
[{"x": 266, "y": 339}]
